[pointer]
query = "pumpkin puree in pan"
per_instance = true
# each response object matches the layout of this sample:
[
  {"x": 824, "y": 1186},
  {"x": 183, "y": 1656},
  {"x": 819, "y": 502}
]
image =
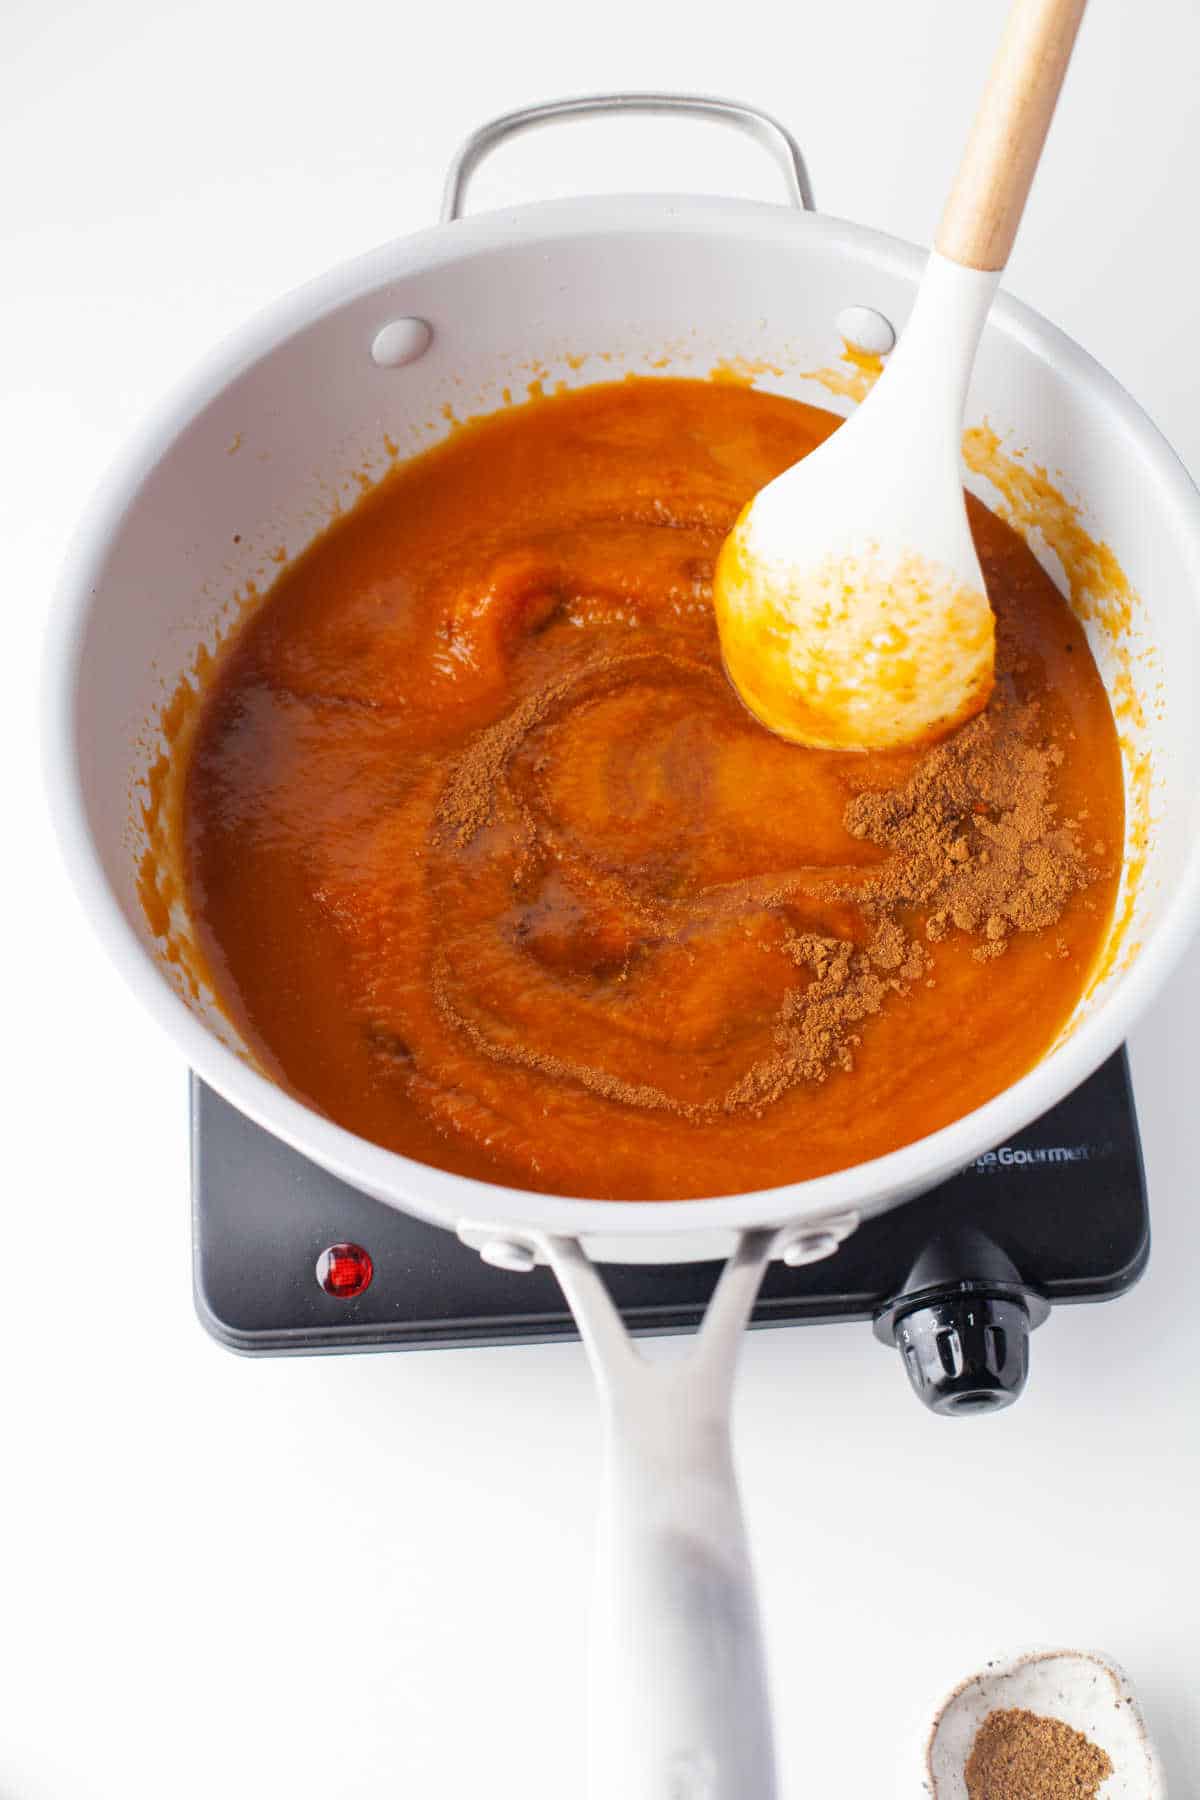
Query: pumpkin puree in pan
[{"x": 492, "y": 867}]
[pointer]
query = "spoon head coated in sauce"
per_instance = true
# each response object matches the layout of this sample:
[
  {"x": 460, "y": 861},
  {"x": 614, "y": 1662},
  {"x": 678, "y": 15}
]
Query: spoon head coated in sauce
[
  {"x": 860, "y": 651},
  {"x": 849, "y": 597}
]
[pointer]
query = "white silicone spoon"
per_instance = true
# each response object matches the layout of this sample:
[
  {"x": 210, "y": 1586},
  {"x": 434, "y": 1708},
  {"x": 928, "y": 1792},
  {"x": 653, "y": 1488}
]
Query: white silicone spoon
[{"x": 849, "y": 597}]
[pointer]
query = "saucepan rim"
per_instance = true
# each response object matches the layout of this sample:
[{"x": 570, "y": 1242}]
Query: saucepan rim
[{"x": 448, "y": 1199}]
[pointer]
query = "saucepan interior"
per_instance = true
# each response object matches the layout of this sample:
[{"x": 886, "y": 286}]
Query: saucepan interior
[{"x": 288, "y": 420}]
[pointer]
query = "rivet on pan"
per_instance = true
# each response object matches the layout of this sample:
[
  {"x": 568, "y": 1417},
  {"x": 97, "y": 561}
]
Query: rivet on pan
[
  {"x": 865, "y": 329},
  {"x": 809, "y": 1247},
  {"x": 400, "y": 342},
  {"x": 509, "y": 1253}
]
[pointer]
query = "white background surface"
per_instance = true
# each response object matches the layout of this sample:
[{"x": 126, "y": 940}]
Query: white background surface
[{"x": 369, "y": 1576}]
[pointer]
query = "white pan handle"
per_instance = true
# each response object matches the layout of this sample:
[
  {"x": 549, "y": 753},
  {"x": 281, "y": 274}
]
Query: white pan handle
[
  {"x": 680, "y": 1707},
  {"x": 775, "y": 138}
]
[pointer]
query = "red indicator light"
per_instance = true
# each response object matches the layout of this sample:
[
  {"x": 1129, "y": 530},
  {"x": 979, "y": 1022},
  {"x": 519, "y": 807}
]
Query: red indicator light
[{"x": 345, "y": 1270}]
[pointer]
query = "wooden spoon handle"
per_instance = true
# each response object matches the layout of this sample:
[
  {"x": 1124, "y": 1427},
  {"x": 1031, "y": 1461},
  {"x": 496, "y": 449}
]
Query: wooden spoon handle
[{"x": 1001, "y": 158}]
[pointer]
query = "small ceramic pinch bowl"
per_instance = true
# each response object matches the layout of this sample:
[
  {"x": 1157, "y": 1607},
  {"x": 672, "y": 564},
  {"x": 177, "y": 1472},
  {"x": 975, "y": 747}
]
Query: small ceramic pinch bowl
[{"x": 1082, "y": 1688}]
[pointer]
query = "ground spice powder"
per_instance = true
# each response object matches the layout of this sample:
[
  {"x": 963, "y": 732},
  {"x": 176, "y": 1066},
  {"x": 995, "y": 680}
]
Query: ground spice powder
[
  {"x": 975, "y": 835},
  {"x": 973, "y": 842},
  {"x": 1018, "y": 1755}
]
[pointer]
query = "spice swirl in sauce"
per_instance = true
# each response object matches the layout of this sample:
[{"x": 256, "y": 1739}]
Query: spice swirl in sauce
[{"x": 491, "y": 865}]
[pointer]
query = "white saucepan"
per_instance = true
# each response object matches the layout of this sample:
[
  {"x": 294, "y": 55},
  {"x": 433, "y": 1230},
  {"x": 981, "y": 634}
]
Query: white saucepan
[{"x": 253, "y": 453}]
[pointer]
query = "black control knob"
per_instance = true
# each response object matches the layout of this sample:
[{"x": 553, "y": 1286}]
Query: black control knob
[
  {"x": 966, "y": 1352},
  {"x": 962, "y": 1324}
]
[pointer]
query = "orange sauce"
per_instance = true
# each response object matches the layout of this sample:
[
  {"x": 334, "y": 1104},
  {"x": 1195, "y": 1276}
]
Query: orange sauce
[{"x": 490, "y": 865}]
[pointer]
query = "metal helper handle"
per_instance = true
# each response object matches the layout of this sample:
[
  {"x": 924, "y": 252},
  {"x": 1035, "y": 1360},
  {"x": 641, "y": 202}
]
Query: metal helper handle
[
  {"x": 679, "y": 1706},
  {"x": 775, "y": 138}
]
